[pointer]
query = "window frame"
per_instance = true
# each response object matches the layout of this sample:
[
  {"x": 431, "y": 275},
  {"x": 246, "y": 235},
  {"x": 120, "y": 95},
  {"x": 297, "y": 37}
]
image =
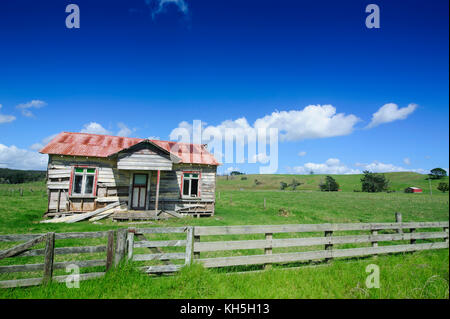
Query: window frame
[
  {"x": 199, "y": 173},
  {"x": 83, "y": 182}
]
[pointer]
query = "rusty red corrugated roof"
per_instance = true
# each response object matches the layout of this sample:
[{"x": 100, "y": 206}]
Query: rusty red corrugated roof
[{"x": 95, "y": 145}]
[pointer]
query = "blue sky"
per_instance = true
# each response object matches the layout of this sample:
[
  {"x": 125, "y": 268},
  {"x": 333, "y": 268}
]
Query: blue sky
[{"x": 140, "y": 68}]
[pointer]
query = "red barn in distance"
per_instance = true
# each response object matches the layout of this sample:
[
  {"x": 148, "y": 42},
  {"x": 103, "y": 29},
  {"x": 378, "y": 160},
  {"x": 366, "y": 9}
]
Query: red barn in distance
[{"x": 413, "y": 190}]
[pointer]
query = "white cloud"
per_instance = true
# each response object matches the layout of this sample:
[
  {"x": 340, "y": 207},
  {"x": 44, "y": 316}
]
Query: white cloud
[
  {"x": 302, "y": 153},
  {"x": 160, "y": 6},
  {"x": 94, "y": 128},
  {"x": 25, "y": 107},
  {"x": 390, "y": 112},
  {"x": 379, "y": 167},
  {"x": 38, "y": 146},
  {"x": 97, "y": 128},
  {"x": 407, "y": 161},
  {"x": 16, "y": 158},
  {"x": 331, "y": 166},
  {"x": 231, "y": 169},
  {"x": 124, "y": 130},
  {"x": 260, "y": 158},
  {"x": 312, "y": 122},
  {"x": 154, "y": 138},
  {"x": 335, "y": 166},
  {"x": 6, "y": 118}
]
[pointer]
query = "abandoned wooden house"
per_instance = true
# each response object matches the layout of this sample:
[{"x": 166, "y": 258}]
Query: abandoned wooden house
[{"x": 89, "y": 171}]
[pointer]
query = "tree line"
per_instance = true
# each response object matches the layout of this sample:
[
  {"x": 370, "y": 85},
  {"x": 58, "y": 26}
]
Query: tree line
[{"x": 15, "y": 176}]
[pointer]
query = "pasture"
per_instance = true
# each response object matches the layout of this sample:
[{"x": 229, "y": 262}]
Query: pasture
[{"x": 241, "y": 202}]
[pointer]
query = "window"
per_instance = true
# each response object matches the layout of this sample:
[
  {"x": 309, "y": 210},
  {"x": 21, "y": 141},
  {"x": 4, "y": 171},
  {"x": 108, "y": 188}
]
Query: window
[
  {"x": 191, "y": 184},
  {"x": 83, "y": 181}
]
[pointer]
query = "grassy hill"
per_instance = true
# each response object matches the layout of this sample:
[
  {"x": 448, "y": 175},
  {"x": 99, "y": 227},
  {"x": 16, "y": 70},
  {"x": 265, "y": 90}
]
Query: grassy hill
[{"x": 348, "y": 183}]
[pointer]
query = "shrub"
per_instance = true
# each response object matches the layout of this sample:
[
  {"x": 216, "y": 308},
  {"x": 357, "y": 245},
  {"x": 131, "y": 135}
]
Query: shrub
[
  {"x": 330, "y": 185},
  {"x": 283, "y": 186},
  {"x": 243, "y": 178},
  {"x": 294, "y": 184},
  {"x": 443, "y": 187},
  {"x": 373, "y": 182},
  {"x": 257, "y": 182}
]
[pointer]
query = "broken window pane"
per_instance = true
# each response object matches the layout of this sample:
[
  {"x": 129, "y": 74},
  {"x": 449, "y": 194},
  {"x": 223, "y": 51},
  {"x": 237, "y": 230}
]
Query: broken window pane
[
  {"x": 194, "y": 187},
  {"x": 89, "y": 184},
  {"x": 186, "y": 187},
  {"x": 77, "y": 183}
]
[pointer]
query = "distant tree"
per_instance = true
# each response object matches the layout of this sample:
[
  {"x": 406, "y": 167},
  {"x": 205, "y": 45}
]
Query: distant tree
[
  {"x": 236, "y": 173},
  {"x": 329, "y": 185},
  {"x": 311, "y": 172},
  {"x": 373, "y": 182},
  {"x": 283, "y": 186},
  {"x": 443, "y": 187},
  {"x": 295, "y": 184},
  {"x": 437, "y": 173}
]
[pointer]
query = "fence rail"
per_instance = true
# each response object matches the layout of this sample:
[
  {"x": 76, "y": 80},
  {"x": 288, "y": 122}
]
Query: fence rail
[{"x": 122, "y": 244}]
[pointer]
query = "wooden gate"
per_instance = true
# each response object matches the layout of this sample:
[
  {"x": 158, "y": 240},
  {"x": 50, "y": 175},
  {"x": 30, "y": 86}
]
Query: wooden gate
[{"x": 164, "y": 254}]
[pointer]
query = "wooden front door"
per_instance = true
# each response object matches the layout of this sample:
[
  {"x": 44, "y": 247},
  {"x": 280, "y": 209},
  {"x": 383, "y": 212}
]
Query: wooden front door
[{"x": 139, "y": 191}]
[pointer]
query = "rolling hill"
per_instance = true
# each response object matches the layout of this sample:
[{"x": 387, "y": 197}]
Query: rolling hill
[{"x": 348, "y": 183}]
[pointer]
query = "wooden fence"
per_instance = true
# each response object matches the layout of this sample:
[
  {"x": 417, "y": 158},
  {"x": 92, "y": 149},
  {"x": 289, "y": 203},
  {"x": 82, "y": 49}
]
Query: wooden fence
[
  {"x": 378, "y": 238},
  {"x": 328, "y": 240},
  {"x": 49, "y": 252}
]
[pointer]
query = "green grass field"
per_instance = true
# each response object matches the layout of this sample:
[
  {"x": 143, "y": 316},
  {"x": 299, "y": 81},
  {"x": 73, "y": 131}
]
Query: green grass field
[{"x": 417, "y": 275}]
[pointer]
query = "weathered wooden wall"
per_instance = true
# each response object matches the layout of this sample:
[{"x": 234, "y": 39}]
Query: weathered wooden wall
[
  {"x": 144, "y": 157},
  {"x": 112, "y": 182},
  {"x": 170, "y": 187}
]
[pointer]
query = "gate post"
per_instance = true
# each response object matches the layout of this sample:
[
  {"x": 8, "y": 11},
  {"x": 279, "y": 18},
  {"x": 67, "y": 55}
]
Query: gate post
[
  {"x": 121, "y": 242},
  {"x": 130, "y": 242},
  {"x": 189, "y": 245},
  {"x": 110, "y": 250},
  {"x": 49, "y": 256}
]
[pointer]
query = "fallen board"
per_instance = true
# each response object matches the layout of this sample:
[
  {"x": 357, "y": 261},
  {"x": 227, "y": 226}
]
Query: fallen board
[{"x": 80, "y": 217}]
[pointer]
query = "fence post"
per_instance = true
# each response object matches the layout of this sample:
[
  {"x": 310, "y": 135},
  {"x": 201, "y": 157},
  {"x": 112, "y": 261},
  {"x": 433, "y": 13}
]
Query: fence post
[
  {"x": 130, "y": 242},
  {"x": 268, "y": 249},
  {"x": 110, "y": 249},
  {"x": 49, "y": 255},
  {"x": 412, "y": 231},
  {"x": 121, "y": 242},
  {"x": 328, "y": 234},
  {"x": 398, "y": 219},
  {"x": 264, "y": 203},
  {"x": 189, "y": 245}
]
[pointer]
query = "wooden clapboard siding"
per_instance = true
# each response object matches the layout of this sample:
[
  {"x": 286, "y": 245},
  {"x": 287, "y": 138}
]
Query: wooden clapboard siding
[
  {"x": 207, "y": 181},
  {"x": 144, "y": 157}
]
